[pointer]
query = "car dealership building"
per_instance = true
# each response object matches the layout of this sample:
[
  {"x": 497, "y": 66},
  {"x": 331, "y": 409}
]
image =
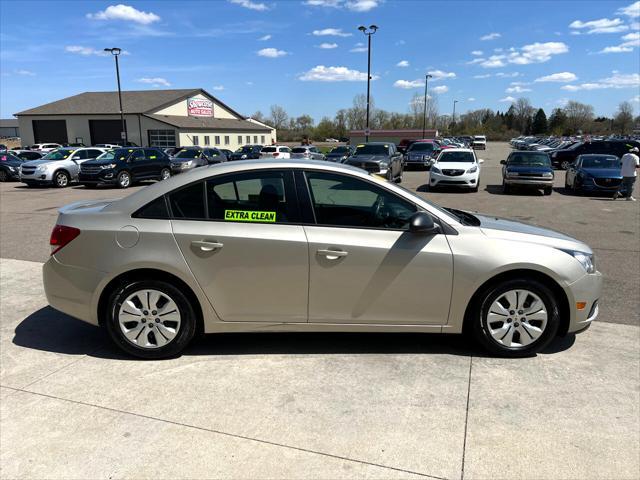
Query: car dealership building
[{"x": 162, "y": 118}]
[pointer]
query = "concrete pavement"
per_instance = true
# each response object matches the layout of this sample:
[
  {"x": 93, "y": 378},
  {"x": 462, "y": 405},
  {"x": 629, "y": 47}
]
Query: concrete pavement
[{"x": 308, "y": 406}]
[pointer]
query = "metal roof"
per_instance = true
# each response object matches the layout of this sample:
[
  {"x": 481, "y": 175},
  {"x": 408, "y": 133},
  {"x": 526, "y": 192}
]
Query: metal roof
[{"x": 209, "y": 123}]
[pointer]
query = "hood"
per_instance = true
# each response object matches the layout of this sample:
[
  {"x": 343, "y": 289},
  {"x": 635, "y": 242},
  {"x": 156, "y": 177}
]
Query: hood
[
  {"x": 182, "y": 160},
  {"x": 528, "y": 169},
  {"x": 603, "y": 172},
  {"x": 35, "y": 163},
  {"x": 356, "y": 159},
  {"x": 337, "y": 155},
  {"x": 455, "y": 165},
  {"x": 511, "y": 230}
]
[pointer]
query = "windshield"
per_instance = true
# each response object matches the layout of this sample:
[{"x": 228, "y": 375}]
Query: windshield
[
  {"x": 530, "y": 160},
  {"x": 574, "y": 146},
  {"x": 600, "y": 162},
  {"x": 59, "y": 154},
  {"x": 456, "y": 157},
  {"x": 120, "y": 153},
  {"x": 244, "y": 150},
  {"x": 189, "y": 153},
  {"x": 340, "y": 150},
  {"x": 421, "y": 147},
  {"x": 372, "y": 150}
]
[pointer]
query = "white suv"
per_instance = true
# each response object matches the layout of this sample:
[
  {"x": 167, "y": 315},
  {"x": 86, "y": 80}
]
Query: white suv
[
  {"x": 479, "y": 142},
  {"x": 45, "y": 147},
  {"x": 275, "y": 151},
  {"x": 456, "y": 167},
  {"x": 58, "y": 168}
]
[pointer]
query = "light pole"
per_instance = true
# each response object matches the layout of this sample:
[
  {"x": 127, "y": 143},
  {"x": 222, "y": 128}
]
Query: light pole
[
  {"x": 368, "y": 32},
  {"x": 116, "y": 52},
  {"x": 424, "y": 115},
  {"x": 454, "y": 112}
]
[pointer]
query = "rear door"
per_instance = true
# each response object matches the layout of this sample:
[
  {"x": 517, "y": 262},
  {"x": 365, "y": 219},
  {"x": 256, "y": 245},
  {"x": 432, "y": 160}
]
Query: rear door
[
  {"x": 138, "y": 164},
  {"x": 240, "y": 237}
]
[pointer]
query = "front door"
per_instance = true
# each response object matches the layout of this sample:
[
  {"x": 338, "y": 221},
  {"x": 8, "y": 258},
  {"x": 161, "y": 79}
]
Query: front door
[
  {"x": 238, "y": 234},
  {"x": 365, "y": 267},
  {"x": 138, "y": 164}
]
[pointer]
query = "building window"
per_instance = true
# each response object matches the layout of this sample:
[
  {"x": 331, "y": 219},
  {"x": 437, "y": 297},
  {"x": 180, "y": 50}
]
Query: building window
[
  {"x": 196, "y": 140},
  {"x": 255, "y": 139},
  {"x": 262, "y": 139},
  {"x": 227, "y": 140},
  {"x": 248, "y": 139},
  {"x": 162, "y": 138},
  {"x": 217, "y": 139},
  {"x": 206, "y": 140},
  {"x": 239, "y": 140}
]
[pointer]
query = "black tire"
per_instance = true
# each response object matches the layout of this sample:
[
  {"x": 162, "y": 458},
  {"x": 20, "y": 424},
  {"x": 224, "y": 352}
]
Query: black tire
[
  {"x": 183, "y": 337},
  {"x": 506, "y": 189},
  {"x": 493, "y": 292},
  {"x": 4, "y": 176},
  {"x": 124, "y": 179},
  {"x": 548, "y": 190},
  {"x": 164, "y": 174},
  {"x": 61, "y": 179}
]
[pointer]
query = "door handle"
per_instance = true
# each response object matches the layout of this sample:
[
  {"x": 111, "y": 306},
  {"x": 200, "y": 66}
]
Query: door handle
[
  {"x": 332, "y": 254},
  {"x": 207, "y": 246}
]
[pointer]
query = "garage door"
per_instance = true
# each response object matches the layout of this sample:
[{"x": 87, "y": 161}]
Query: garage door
[
  {"x": 45, "y": 131},
  {"x": 105, "y": 131}
]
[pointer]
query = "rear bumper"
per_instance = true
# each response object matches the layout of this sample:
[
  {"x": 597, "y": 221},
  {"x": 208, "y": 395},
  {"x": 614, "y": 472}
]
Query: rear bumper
[{"x": 587, "y": 289}]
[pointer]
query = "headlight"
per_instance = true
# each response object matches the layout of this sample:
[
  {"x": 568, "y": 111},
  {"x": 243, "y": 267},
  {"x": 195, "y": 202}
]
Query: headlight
[
  {"x": 435, "y": 170},
  {"x": 587, "y": 260},
  {"x": 107, "y": 167},
  {"x": 41, "y": 168},
  {"x": 187, "y": 164},
  {"x": 13, "y": 169},
  {"x": 548, "y": 175},
  {"x": 473, "y": 169},
  {"x": 243, "y": 156}
]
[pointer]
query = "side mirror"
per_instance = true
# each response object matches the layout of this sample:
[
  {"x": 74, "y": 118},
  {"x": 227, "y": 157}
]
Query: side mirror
[
  {"x": 503, "y": 162},
  {"x": 480, "y": 160},
  {"x": 422, "y": 223}
]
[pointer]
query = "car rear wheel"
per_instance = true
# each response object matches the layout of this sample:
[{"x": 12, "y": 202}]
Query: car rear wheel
[
  {"x": 3, "y": 176},
  {"x": 165, "y": 173},
  {"x": 61, "y": 179},
  {"x": 548, "y": 190},
  {"x": 517, "y": 318},
  {"x": 124, "y": 179},
  {"x": 150, "y": 319},
  {"x": 506, "y": 189},
  {"x": 565, "y": 165}
]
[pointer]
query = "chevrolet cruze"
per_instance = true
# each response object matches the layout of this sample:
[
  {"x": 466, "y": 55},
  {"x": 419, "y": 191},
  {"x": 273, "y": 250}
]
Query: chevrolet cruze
[{"x": 311, "y": 246}]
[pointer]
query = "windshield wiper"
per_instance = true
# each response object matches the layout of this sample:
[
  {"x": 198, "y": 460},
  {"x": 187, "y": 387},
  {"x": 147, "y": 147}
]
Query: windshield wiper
[{"x": 465, "y": 217}]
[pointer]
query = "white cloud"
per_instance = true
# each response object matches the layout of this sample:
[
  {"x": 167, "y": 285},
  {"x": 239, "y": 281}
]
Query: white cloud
[
  {"x": 603, "y": 25},
  {"x": 358, "y": 49},
  {"x": 471, "y": 99},
  {"x": 508, "y": 99},
  {"x": 402, "y": 63},
  {"x": 486, "y": 75},
  {"x": 439, "y": 74},
  {"x": 331, "y": 32},
  {"x": 616, "y": 81},
  {"x": 477, "y": 53},
  {"x": 80, "y": 50},
  {"x": 631, "y": 41},
  {"x": 517, "y": 89},
  {"x": 328, "y": 46},
  {"x": 490, "y": 36},
  {"x": 321, "y": 73},
  {"x": 562, "y": 77},
  {"x": 154, "y": 81},
  {"x": 27, "y": 73},
  {"x": 400, "y": 42},
  {"x": 362, "y": 5},
  {"x": 271, "y": 53},
  {"x": 632, "y": 37},
  {"x": 324, "y": 3},
  {"x": 440, "y": 89},
  {"x": 265, "y": 38},
  {"x": 259, "y": 7},
  {"x": 126, "y": 13},
  {"x": 636, "y": 99},
  {"x": 408, "y": 84},
  {"x": 537, "y": 53},
  {"x": 218, "y": 88},
  {"x": 508, "y": 75},
  {"x": 632, "y": 10},
  {"x": 616, "y": 49},
  {"x": 494, "y": 61},
  {"x": 476, "y": 60}
]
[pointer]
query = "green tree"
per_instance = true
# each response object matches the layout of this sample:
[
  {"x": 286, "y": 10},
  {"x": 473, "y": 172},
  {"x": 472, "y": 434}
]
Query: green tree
[
  {"x": 623, "y": 120},
  {"x": 557, "y": 122},
  {"x": 539, "y": 123}
]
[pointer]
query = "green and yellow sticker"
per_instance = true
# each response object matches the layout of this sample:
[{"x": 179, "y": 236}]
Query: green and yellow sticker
[{"x": 249, "y": 216}]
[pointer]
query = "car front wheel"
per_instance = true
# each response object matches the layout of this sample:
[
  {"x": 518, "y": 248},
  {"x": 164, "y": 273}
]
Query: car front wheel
[
  {"x": 124, "y": 179},
  {"x": 3, "y": 176},
  {"x": 150, "y": 319},
  {"x": 165, "y": 173},
  {"x": 61, "y": 179},
  {"x": 516, "y": 318}
]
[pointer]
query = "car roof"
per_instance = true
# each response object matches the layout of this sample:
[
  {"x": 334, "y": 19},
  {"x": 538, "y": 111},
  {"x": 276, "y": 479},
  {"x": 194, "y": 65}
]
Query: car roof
[
  {"x": 597, "y": 155},
  {"x": 528, "y": 152},
  {"x": 452, "y": 150}
]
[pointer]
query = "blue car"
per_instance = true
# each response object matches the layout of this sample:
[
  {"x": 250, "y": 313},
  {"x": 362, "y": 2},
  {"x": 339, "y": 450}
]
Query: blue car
[
  {"x": 594, "y": 174},
  {"x": 529, "y": 169}
]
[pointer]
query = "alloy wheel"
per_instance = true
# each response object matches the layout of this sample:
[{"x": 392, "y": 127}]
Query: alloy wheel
[
  {"x": 517, "y": 318},
  {"x": 124, "y": 180},
  {"x": 62, "y": 180},
  {"x": 149, "y": 319},
  {"x": 165, "y": 173}
]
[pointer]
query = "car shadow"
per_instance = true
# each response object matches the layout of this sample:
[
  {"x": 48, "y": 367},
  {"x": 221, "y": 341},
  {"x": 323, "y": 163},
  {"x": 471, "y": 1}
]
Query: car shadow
[
  {"x": 522, "y": 192},
  {"x": 52, "y": 331},
  {"x": 426, "y": 188}
]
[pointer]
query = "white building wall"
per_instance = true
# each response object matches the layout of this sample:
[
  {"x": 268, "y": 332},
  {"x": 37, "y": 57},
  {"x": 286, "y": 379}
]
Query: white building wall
[{"x": 236, "y": 139}]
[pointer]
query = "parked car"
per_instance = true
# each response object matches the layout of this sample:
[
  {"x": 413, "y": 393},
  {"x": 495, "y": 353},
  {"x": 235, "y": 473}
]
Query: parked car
[
  {"x": 9, "y": 166},
  {"x": 456, "y": 167},
  {"x": 107, "y": 145},
  {"x": 58, "y": 168},
  {"x": 227, "y": 153},
  {"x": 308, "y": 152},
  {"x": 421, "y": 154},
  {"x": 275, "y": 151},
  {"x": 479, "y": 142},
  {"x": 564, "y": 158},
  {"x": 171, "y": 151},
  {"x": 349, "y": 252},
  {"x": 189, "y": 158},
  {"x": 530, "y": 170},
  {"x": 339, "y": 154},
  {"x": 332, "y": 140},
  {"x": 594, "y": 173},
  {"x": 27, "y": 154},
  {"x": 404, "y": 144},
  {"x": 380, "y": 158},
  {"x": 45, "y": 147},
  {"x": 124, "y": 166},
  {"x": 247, "y": 152},
  {"x": 3, "y": 147}
]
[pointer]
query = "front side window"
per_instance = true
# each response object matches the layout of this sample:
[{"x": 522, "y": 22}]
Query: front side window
[
  {"x": 255, "y": 197},
  {"x": 340, "y": 200},
  {"x": 137, "y": 155}
]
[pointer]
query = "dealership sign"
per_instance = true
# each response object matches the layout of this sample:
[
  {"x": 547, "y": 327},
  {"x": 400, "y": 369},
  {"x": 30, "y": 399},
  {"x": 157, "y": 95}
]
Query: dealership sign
[{"x": 199, "y": 107}]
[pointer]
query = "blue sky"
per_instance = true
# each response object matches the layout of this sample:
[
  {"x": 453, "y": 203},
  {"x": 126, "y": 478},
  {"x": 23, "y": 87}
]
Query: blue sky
[{"x": 308, "y": 56}]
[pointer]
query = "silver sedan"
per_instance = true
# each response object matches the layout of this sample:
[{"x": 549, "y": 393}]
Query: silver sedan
[{"x": 311, "y": 246}]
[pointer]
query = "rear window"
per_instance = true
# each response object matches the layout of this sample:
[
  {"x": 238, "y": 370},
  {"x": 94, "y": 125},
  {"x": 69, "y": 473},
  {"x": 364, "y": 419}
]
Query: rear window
[
  {"x": 269, "y": 149},
  {"x": 299, "y": 150},
  {"x": 421, "y": 147}
]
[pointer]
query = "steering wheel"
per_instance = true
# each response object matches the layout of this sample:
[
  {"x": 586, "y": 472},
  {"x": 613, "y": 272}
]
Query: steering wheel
[{"x": 378, "y": 209}]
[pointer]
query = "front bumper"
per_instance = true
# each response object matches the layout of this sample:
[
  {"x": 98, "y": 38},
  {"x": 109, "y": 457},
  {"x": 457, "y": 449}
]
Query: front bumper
[
  {"x": 12, "y": 175},
  {"x": 466, "y": 180},
  {"x": 601, "y": 185},
  {"x": 418, "y": 162},
  {"x": 538, "y": 182},
  {"x": 36, "y": 178},
  {"x": 587, "y": 289},
  {"x": 103, "y": 177}
]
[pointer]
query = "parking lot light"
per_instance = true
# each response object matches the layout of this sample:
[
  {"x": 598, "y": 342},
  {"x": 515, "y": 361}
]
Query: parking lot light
[
  {"x": 424, "y": 116},
  {"x": 368, "y": 32},
  {"x": 115, "y": 51}
]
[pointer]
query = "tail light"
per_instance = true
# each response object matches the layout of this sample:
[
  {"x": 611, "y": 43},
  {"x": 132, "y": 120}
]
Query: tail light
[
  {"x": 61, "y": 236},
  {"x": 276, "y": 154}
]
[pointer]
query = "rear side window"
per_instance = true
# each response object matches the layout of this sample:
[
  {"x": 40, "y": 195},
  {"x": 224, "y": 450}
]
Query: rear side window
[
  {"x": 299, "y": 150},
  {"x": 156, "y": 209},
  {"x": 188, "y": 202},
  {"x": 269, "y": 149}
]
